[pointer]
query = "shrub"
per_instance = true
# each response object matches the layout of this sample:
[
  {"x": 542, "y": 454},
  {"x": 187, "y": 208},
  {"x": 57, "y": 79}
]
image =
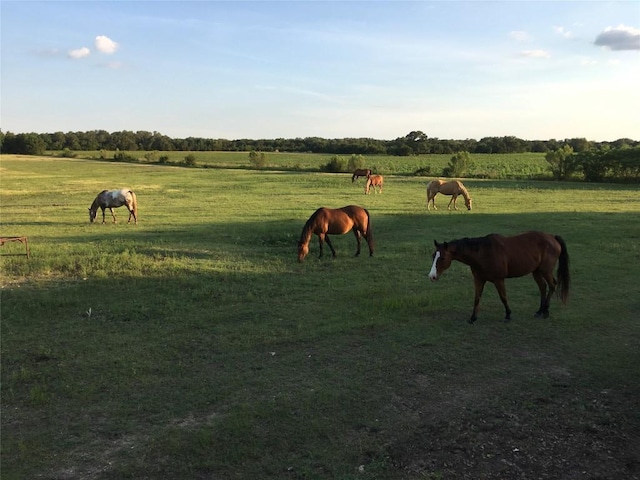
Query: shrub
[
  {"x": 189, "y": 160},
  {"x": 335, "y": 165},
  {"x": 124, "y": 157},
  {"x": 561, "y": 162},
  {"x": 257, "y": 159},
  {"x": 459, "y": 165},
  {"x": 593, "y": 164},
  {"x": 356, "y": 162},
  {"x": 66, "y": 153}
]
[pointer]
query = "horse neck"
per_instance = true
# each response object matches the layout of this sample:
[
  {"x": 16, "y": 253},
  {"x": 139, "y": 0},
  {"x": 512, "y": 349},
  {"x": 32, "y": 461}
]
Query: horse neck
[
  {"x": 307, "y": 232},
  {"x": 94, "y": 206},
  {"x": 467, "y": 250},
  {"x": 464, "y": 192}
]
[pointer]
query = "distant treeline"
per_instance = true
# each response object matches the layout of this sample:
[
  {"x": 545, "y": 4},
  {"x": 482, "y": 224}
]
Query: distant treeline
[{"x": 414, "y": 143}]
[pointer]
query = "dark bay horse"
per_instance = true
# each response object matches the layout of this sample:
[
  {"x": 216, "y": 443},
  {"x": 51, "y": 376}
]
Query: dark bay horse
[
  {"x": 452, "y": 187},
  {"x": 329, "y": 221},
  {"x": 112, "y": 199},
  {"x": 374, "y": 181},
  {"x": 495, "y": 257},
  {"x": 360, "y": 172}
]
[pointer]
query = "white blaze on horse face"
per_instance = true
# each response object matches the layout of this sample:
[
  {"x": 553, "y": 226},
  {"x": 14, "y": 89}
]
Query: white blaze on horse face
[{"x": 433, "y": 274}]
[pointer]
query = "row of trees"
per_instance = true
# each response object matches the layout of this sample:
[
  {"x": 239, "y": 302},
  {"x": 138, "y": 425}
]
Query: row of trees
[
  {"x": 414, "y": 143},
  {"x": 596, "y": 165}
]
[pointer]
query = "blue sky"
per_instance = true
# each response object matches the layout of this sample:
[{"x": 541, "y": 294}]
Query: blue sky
[{"x": 286, "y": 69}]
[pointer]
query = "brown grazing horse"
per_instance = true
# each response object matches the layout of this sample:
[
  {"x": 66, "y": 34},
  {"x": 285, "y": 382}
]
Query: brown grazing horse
[
  {"x": 329, "y": 221},
  {"x": 360, "y": 172},
  {"x": 495, "y": 257},
  {"x": 113, "y": 199},
  {"x": 452, "y": 187},
  {"x": 374, "y": 181}
]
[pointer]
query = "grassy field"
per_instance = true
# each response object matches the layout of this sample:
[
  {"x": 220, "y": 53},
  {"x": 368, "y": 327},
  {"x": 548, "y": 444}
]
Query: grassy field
[
  {"x": 194, "y": 346},
  {"x": 494, "y": 166}
]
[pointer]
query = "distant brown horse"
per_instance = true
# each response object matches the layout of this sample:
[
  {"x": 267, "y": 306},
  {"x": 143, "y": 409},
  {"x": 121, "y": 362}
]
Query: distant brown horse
[
  {"x": 360, "y": 172},
  {"x": 495, "y": 257},
  {"x": 374, "y": 181},
  {"x": 452, "y": 187},
  {"x": 112, "y": 199},
  {"x": 329, "y": 221}
]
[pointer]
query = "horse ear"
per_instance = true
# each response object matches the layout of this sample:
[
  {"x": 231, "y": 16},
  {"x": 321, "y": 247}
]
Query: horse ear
[{"x": 436, "y": 243}]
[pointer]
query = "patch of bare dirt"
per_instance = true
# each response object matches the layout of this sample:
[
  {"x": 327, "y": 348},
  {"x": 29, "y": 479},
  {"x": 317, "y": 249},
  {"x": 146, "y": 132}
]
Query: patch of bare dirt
[{"x": 567, "y": 434}]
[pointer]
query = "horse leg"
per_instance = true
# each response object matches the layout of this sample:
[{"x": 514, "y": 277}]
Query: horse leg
[
  {"x": 551, "y": 281},
  {"x": 453, "y": 200},
  {"x": 103, "y": 209},
  {"x": 358, "y": 235},
  {"x": 502, "y": 291},
  {"x": 113, "y": 215},
  {"x": 333, "y": 251},
  {"x": 542, "y": 286},
  {"x": 479, "y": 287}
]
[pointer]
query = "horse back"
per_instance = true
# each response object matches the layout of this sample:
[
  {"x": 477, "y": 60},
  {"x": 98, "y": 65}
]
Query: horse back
[{"x": 530, "y": 251}]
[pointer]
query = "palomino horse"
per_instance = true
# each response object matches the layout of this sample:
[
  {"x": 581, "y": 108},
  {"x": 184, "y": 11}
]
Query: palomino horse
[
  {"x": 360, "y": 172},
  {"x": 452, "y": 187},
  {"x": 112, "y": 199},
  {"x": 329, "y": 221},
  {"x": 494, "y": 258},
  {"x": 374, "y": 181}
]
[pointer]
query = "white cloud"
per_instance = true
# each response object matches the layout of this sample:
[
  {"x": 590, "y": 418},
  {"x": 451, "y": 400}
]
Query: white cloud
[
  {"x": 105, "y": 45},
  {"x": 79, "y": 53},
  {"x": 563, "y": 32},
  {"x": 519, "y": 35},
  {"x": 619, "y": 38},
  {"x": 535, "y": 54}
]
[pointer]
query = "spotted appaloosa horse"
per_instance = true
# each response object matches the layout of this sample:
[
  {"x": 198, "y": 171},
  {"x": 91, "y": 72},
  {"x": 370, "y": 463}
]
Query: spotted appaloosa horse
[{"x": 112, "y": 199}]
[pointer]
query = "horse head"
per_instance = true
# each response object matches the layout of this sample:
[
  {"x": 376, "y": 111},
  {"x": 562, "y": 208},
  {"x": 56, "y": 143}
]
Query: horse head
[
  {"x": 303, "y": 250},
  {"x": 467, "y": 202},
  {"x": 92, "y": 215},
  {"x": 442, "y": 258}
]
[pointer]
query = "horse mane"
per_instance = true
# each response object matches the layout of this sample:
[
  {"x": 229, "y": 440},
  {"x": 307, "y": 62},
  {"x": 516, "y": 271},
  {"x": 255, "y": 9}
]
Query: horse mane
[
  {"x": 463, "y": 190},
  {"x": 473, "y": 244},
  {"x": 96, "y": 201},
  {"x": 308, "y": 226}
]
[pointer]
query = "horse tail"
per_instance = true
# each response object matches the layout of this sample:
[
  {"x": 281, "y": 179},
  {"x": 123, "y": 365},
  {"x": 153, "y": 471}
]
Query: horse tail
[
  {"x": 564, "y": 278},
  {"x": 369, "y": 235},
  {"x": 134, "y": 206}
]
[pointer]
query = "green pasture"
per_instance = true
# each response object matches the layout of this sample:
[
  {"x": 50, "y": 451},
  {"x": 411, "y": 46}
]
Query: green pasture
[
  {"x": 194, "y": 346},
  {"x": 494, "y": 166}
]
